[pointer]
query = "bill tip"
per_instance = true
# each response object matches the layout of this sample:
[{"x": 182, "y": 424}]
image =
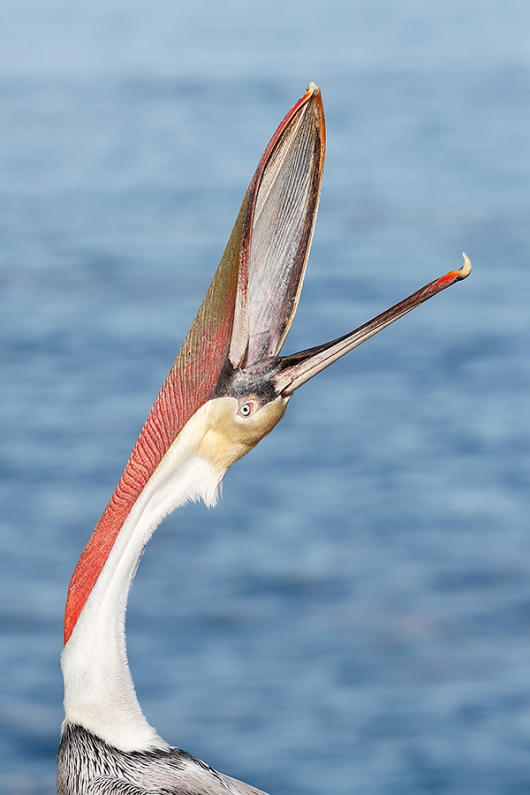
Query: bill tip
[
  {"x": 312, "y": 88},
  {"x": 466, "y": 268}
]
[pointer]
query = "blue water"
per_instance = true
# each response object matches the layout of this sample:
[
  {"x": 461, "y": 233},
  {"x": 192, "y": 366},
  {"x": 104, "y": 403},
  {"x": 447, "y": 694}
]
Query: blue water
[{"x": 354, "y": 617}]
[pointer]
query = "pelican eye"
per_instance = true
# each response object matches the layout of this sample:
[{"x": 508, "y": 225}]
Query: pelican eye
[{"x": 246, "y": 409}]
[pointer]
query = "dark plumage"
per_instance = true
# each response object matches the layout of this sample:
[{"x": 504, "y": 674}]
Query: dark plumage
[{"x": 89, "y": 766}]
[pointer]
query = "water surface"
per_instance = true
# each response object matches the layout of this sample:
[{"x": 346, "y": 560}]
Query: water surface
[{"x": 354, "y": 617}]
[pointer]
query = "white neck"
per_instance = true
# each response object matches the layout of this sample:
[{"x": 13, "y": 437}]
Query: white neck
[{"x": 99, "y": 692}]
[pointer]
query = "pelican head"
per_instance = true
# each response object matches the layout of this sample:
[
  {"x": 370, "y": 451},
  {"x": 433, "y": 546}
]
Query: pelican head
[{"x": 231, "y": 355}]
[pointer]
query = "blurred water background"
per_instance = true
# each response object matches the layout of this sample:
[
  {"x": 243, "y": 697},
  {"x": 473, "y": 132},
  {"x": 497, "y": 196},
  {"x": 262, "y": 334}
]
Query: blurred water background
[{"x": 354, "y": 617}]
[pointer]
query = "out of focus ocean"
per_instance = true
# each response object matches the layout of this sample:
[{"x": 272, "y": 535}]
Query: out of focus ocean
[{"x": 354, "y": 617}]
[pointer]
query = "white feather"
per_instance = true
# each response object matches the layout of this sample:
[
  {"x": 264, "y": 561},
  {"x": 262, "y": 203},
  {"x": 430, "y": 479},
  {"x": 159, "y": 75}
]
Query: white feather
[{"x": 99, "y": 692}]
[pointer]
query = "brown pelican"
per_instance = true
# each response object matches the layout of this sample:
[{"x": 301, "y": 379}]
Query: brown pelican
[{"x": 226, "y": 390}]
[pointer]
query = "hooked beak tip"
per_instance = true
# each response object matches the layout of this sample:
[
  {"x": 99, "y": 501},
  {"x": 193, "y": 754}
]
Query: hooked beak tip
[{"x": 466, "y": 268}]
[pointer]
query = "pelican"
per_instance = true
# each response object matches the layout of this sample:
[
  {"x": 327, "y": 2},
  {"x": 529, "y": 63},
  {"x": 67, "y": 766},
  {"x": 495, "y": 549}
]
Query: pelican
[{"x": 226, "y": 390}]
